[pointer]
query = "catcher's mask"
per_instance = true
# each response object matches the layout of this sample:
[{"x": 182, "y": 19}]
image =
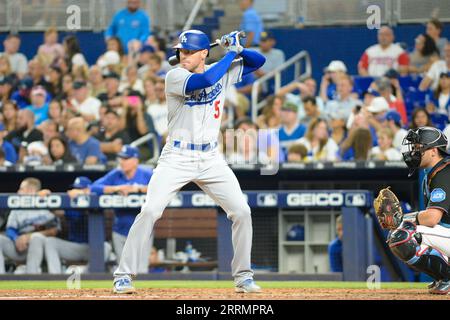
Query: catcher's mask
[{"x": 419, "y": 140}]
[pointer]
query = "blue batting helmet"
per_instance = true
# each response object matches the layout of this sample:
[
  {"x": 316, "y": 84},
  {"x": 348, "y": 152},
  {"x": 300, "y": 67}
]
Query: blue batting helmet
[{"x": 193, "y": 40}]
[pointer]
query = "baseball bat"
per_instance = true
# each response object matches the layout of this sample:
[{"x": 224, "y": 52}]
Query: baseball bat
[{"x": 173, "y": 60}]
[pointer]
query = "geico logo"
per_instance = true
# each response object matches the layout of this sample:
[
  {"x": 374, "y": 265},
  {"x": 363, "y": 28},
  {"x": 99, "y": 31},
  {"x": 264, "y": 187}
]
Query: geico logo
[
  {"x": 51, "y": 201},
  {"x": 315, "y": 199},
  {"x": 131, "y": 201},
  {"x": 199, "y": 199}
]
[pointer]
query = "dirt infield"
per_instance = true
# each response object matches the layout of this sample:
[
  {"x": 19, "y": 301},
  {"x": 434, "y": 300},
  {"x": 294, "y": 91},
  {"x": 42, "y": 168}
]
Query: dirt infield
[{"x": 223, "y": 294}]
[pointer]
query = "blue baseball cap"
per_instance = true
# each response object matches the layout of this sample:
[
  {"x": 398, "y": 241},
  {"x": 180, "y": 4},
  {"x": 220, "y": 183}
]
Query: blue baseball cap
[
  {"x": 128, "y": 152},
  {"x": 147, "y": 48},
  {"x": 81, "y": 182},
  {"x": 394, "y": 116}
]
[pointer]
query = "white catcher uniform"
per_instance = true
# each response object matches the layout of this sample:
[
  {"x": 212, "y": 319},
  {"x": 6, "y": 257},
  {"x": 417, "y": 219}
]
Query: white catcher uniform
[{"x": 191, "y": 154}]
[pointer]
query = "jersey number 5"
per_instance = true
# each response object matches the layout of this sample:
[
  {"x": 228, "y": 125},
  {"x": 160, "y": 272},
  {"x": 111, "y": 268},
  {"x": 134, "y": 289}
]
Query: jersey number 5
[{"x": 216, "y": 109}]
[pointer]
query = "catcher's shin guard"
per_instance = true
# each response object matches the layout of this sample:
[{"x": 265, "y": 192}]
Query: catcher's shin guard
[{"x": 405, "y": 244}]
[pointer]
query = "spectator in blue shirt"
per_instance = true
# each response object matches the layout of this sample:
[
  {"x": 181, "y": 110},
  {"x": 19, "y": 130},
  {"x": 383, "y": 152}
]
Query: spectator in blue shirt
[
  {"x": 335, "y": 248},
  {"x": 8, "y": 148},
  {"x": 75, "y": 247},
  {"x": 128, "y": 178},
  {"x": 83, "y": 147},
  {"x": 251, "y": 23},
  {"x": 38, "y": 105},
  {"x": 131, "y": 26},
  {"x": 291, "y": 129}
]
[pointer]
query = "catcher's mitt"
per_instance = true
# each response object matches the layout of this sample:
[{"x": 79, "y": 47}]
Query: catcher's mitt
[{"x": 388, "y": 209}]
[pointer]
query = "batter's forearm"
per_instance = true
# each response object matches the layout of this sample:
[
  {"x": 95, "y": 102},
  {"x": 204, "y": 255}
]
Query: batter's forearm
[{"x": 253, "y": 60}]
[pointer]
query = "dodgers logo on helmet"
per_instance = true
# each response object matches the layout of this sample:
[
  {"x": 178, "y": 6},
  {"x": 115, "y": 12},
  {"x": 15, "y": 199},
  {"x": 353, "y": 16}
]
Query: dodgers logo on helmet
[
  {"x": 437, "y": 195},
  {"x": 183, "y": 39}
]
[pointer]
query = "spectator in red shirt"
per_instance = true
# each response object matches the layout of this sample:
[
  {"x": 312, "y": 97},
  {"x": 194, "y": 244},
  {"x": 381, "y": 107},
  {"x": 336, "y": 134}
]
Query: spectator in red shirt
[{"x": 385, "y": 55}]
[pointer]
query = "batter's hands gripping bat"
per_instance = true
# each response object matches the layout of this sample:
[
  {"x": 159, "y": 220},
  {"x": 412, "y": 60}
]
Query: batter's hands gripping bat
[{"x": 173, "y": 60}]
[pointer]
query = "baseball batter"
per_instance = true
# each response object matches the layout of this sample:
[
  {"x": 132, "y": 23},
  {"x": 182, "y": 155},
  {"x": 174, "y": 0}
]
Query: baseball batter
[{"x": 195, "y": 97}]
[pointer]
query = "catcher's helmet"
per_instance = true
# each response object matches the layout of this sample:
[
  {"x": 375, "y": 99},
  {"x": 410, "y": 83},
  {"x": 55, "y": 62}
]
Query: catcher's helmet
[
  {"x": 193, "y": 40},
  {"x": 417, "y": 141}
]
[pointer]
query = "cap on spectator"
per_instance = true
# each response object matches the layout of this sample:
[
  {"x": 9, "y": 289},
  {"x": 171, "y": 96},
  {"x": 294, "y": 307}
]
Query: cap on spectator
[
  {"x": 378, "y": 104},
  {"x": 394, "y": 116},
  {"x": 289, "y": 106},
  {"x": 383, "y": 83},
  {"x": 392, "y": 74},
  {"x": 79, "y": 84},
  {"x": 266, "y": 35},
  {"x": 81, "y": 182},
  {"x": 26, "y": 83},
  {"x": 109, "y": 58},
  {"x": 147, "y": 48},
  {"x": 37, "y": 147},
  {"x": 336, "y": 65},
  {"x": 109, "y": 110},
  {"x": 39, "y": 90},
  {"x": 113, "y": 75},
  {"x": 128, "y": 152},
  {"x": 445, "y": 74},
  {"x": 6, "y": 80}
]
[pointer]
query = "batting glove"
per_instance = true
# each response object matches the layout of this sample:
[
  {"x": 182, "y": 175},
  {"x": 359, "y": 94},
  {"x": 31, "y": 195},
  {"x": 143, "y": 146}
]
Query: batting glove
[{"x": 230, "y": 42}]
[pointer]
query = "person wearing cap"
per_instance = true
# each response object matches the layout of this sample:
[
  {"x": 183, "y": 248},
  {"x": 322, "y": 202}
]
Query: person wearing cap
[
  {"x": 85, "y": 149},
  {"x": 274, "y": 57},
  {"x": 22, "y": 95},
  {"x": 291, "y": 129},
  {"x": 110, "y": 61},
  {"x": 38, "y": 105},
  {"x": 74, "y": 246},
  {"x": 384, "y": 87},
  {"x": 251, "y": 23},
  {"x": 6, "y": 90},
  {"x": 112, "y": 97},
  {"x": 338, "y": 125},
  {"x": 393, "y": 121},
  {"x": 375, "y": 113},
  {"x": 25, "y": 133},
  {"x": 18, "y": 61},
  {"x": 85, "y": 106},
  {"x": 431, "y": 78},
  {"x": 147, "y": 51},
  {"x": 331, "y": 75},
  {"x": 131, "y": 25},
  {"x": 128, "y": 178},
  {"x": 26, "y": 231},
  {"x": 379, "y": 58},
  {"x": 112, "y": 137},
  {"x": 10, "y": 153}
]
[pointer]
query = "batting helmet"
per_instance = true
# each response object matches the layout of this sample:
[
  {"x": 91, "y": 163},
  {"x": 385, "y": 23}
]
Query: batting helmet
[{"x": 193, "y": 40}]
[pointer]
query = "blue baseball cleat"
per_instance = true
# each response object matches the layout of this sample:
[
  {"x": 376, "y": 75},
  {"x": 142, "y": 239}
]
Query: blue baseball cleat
[
  {"x": 123, "y": 285},
  {"x": 248, "y": 286}
]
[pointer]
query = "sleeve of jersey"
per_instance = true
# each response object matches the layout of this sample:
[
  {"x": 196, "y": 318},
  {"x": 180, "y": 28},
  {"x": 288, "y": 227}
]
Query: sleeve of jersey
[
  {"x": 204, "y": 80},
  {"x": 403, "y": 59},
  {"x": 440, "y": 192},
  {"x": 364, "y": 61},
  {"x": 12, "y": 233},
  {"x": 99, "y": 185},
  {"x": 176, "y": 80},
  {"x": 253, "y": 60}
]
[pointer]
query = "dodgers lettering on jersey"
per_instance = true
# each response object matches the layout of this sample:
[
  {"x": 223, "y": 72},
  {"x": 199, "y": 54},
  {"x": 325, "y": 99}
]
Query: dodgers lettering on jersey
[{"x": 195, "y": 117}]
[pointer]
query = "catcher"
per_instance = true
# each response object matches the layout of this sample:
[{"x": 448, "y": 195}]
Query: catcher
[{"x": 422, "y": 239}]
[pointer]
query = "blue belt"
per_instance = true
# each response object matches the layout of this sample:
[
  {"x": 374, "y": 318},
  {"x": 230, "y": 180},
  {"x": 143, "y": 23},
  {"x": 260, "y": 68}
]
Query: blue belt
[{"x": 193, "y": 146}]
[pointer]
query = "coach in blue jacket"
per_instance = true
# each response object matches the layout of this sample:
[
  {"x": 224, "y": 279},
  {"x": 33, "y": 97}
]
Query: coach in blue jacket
[{"x": 128, "y": 178}]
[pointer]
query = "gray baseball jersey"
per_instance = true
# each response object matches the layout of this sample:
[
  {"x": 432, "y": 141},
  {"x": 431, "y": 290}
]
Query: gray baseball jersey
[{"x": 195, "y": 116}]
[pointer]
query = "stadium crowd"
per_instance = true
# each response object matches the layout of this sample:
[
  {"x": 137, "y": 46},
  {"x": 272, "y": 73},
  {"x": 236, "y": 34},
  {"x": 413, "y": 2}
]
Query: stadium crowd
[{"x": 57, "y": 109}]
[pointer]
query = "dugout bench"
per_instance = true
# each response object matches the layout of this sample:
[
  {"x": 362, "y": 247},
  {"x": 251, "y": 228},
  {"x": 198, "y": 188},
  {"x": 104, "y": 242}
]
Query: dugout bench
[{"x": 357, "y": 239}]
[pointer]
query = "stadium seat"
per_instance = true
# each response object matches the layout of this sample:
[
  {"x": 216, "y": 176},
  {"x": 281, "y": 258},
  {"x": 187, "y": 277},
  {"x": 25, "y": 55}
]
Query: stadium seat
[
  {"x": 439, "y": 120},
  {"x": 361, "y": 84},
  {"x": 408, "y": 82}
]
